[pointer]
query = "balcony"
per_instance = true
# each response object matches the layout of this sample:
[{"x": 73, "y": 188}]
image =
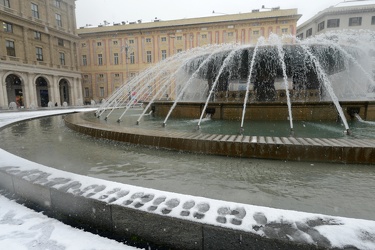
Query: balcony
[{"x": 9, "y": 10}]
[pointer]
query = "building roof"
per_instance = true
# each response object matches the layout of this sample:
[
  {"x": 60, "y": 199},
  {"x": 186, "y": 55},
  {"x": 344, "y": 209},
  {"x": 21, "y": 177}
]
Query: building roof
[
  {"x": 192, "y": 21},
  {"x": 343, "y": 7},
  {"x": 354, "y": 3}
]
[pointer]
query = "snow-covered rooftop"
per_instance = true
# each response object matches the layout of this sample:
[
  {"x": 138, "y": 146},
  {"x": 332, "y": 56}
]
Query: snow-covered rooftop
[
  {"x": 341, "y": 6},
  {"x": 354, "y": 3}
]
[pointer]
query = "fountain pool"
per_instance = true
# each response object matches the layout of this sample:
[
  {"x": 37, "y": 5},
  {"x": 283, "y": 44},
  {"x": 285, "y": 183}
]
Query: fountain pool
[{"x": 335, "y": 189}]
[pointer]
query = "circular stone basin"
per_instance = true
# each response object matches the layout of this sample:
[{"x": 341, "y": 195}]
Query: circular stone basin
[
  {"x": 306, "y": 186},
  {"x": 280, "y": 128}
]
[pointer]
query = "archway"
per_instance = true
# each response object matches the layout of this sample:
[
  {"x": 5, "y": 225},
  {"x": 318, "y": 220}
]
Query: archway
[
  {"x": 42, "y": 91},
  {"x": 15, "y": 90},
  {"x": 64, "y": 91}
]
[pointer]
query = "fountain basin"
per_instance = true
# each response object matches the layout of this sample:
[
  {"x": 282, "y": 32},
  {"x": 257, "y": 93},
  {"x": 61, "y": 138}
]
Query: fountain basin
[
  {"x": 338, "y": 150},
  {"x": 267, "y": 111}
]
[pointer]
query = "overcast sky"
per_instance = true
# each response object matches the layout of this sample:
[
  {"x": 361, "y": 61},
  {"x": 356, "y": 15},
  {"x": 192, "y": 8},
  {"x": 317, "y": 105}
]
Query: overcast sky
[{"x": 94, "y": 12}]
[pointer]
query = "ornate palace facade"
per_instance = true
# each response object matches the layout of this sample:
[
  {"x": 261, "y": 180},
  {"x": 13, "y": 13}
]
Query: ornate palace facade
[
  {"x": 109, "y": 55},
  {"x": 38, "y": 54}
]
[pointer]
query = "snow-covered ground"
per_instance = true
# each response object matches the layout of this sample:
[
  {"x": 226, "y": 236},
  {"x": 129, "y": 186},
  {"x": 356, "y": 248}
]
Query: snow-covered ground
[{"x": 21, "y": 228}]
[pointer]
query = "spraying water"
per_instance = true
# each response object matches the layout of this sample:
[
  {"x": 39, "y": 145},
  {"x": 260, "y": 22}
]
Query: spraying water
[{"x": 205, "y": 75}]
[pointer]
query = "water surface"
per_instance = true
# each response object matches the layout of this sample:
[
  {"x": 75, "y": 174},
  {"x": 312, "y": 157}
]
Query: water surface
[{"x": 334, "y": 189}]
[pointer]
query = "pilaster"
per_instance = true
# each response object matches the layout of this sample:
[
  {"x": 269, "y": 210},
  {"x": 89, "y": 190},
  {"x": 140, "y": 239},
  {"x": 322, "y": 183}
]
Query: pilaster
[
  {"x": 3, "y": 91},
  {"x": 30, "y": 91}
]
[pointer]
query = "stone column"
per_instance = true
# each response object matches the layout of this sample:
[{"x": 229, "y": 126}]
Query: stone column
[
  {"x": 47, "y": 13},
  {"x": 73, "y": 91},
  {"x": 52, "y": 52},
  {"x": 30, "y": 91},
  {"x": 72, "y": 56},
  {"x": 3, "y": 91},
  {"x": 79, "y": 95},
  {"x": 55, "y": 90},
  {"x": 26, "y": 44}
]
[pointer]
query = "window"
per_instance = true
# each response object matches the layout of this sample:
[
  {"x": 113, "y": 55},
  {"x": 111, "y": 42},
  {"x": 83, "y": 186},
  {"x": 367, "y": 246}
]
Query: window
[
  {"x": 204, "y": 36},
  {"x": 230, "y": 33},
  {"x": 132, "y": 58},
  {"x": 101, "y": 76},
  {"x": 8, "y": 27},
  {"x": 60, "y": 42},
  {"x": 34, "y": 10},
  {"x": 83, "y": 45},
  {"x": 117, "y": 75},
  {"x": 163, "y": 39},
  {"x": 148, "y": 40},
  {"x": 99, "y": 44},
  {"x": 39, "y": 54},
  {"x": 62, "y": 58},
  {"x": 163, "y": 54},
  {"x": 179, "y": 50},
  {"x": 7, "y": 3},
  {"x": 100, "y": 59},
  {"x": 179, "y": 38},
  {"x": 373, "y": 20},
  {"x": 308, "y": 32},
  {"x": 101, "y": 90},
  {"x": 355, "y": 21},
  {"x": 333, "y": 23},
  {"x": 115, "y": 56},
  {"x": 84, "y": 60},
  {"x": 115, "y": 42},
  {"x": 149, "y": 57},
  {"x": 37, "y": 35},
  {"x": 58, "y": 20},
  {"x": 58, "y": 3},
  {"x": 321, "y": 26},
  {"x": 300, "y": 36},
  {"x": 256, "y": 32},
  {"x": 284, "y": 30},
  {"x": 131, "y": 41},
  {"x": 11, "y": 51},
  {"x": 87, "y": 92}
]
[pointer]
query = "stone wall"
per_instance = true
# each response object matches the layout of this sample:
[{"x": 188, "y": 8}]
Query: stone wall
[
  {"x": 357, "y": 151},
  {"x": 301, "y": 111}
]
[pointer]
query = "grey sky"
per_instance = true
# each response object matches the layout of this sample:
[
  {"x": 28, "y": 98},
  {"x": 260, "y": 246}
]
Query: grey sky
[{"x": 94, "y": 12}]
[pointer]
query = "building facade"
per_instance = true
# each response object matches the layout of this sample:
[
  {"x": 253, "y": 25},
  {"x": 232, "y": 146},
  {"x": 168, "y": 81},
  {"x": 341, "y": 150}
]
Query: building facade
[
  {"x": 109, "y": 55},
  {"x": 38, "y": 54},
  {"x": 354, "y": 15}
]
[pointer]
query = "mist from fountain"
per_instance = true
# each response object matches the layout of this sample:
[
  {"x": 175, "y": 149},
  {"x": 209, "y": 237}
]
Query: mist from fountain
[
  {"x": 227, "y": 60},
  {"x": 191, "y": 79},
  {"x": 185, "y": 74},
  {"x": 285, "y": 78},
  {"x": 327, "y": 84}
]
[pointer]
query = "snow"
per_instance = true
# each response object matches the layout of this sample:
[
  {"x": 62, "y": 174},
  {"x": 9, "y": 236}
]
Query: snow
[
  {"x": 22, "y": 228},
  {"x": 355, "y": 3}
]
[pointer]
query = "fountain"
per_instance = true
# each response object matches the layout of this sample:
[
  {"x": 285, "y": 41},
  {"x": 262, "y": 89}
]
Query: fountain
[
  {"x": 324, "y": 79},
  {"x": 291, "y": 85}
]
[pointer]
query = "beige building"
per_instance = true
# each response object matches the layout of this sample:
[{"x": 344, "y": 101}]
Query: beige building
[
  {"x": 38, "y": 54},
  {"x": 109, "y": 55},
  {"x": 355, "y": 15}
]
